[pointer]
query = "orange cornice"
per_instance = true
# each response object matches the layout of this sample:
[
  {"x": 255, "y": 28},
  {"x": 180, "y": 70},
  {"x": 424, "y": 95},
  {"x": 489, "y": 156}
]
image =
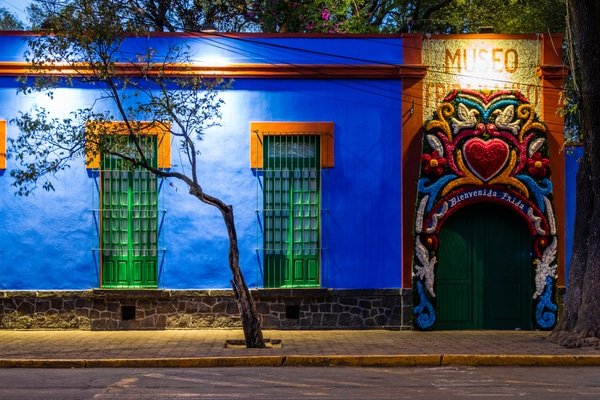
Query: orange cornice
[
  {"x": 552, "y": 58},
  {"x": 332, "y": 71},
  {"x": 553, "y": 71},
  {"x": 484, "y": 36}
]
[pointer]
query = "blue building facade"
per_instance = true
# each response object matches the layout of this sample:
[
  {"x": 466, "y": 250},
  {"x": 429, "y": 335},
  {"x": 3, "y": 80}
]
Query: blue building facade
[{"x": 360, "y": 88}]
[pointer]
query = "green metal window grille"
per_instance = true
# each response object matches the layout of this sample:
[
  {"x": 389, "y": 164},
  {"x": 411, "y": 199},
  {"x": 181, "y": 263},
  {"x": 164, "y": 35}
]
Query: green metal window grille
[
  {"x": 292, "y": 211},
  {"x": 129, "y": 217}
]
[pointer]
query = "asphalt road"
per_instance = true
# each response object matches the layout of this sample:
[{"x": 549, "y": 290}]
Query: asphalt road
[{"x": 292, "y": 383}]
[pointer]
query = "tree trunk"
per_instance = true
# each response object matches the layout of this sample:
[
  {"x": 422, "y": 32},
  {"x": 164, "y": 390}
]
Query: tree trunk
[
  {"x": 251, "y": 322},
  {"x": 579, "y": 324}
]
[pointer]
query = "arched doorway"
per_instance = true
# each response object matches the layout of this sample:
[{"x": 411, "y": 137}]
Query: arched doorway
[
  {"x": 484, "y": 275},
  {"x": 484, "y": 163}
]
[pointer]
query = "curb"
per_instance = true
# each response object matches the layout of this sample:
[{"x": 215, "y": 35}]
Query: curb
[
  {"x": 420, "y": 360},
  {"x": 411, "y": 360},
  {"x": 527, "y": 360}
]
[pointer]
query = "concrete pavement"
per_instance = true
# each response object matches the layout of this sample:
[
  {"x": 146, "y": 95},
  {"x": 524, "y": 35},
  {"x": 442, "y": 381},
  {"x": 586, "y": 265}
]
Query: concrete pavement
[{"x": 206, "y": 348}]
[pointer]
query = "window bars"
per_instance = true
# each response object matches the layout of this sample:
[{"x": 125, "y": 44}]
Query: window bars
[
  {"x": 291, "y": 211},
  {"x": 128, "y": 216}
]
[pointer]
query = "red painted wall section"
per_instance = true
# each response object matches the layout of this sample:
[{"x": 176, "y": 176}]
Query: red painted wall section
[
  {"x": 552, "y": 73},
  {"x": 412, "y": 122}
]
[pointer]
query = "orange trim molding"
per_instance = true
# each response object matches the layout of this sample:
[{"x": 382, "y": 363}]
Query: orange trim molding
[
  {"x": 260, "y": 129},
  {"x": 162, "y": 131},
  {"x": 239, "y": 70},
  {"x": 484, "y": 36},
  {"x": 2, "y": 144}
]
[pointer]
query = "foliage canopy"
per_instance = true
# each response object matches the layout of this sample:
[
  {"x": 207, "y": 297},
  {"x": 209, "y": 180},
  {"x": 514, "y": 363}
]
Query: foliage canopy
[{"x": 326, "y": 16}]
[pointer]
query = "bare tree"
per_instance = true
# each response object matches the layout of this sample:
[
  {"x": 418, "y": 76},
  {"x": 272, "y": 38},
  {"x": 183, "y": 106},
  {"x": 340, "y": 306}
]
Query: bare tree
[{"x": 154, "y": 86}]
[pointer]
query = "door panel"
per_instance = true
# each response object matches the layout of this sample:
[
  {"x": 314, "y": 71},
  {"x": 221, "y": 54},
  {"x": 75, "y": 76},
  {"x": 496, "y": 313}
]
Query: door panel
[
  {"x": 507, "y": 272},
  {"x": 456, "y": 302},
  {"x": 483, "y": 279}
]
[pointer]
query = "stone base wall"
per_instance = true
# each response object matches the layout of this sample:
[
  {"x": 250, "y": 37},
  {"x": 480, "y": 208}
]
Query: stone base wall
[{"x": 189, "y": 309}]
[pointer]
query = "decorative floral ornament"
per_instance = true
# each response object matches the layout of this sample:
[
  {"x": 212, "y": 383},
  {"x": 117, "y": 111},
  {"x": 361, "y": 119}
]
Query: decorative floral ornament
[
  {"x": 436, "y": 144},
  {"x": 550, "y": 214},
  {"x": 431, "y": 242},
  {"x": 484, "y": 146},
  {"x": 433, "y": 164},
  {"x": 537, "y": 165},
  {"x": 425, "y": 271},
  {"x": 535, "y": 145},
  {"x": 486, "y": 159},
  {"x": 539, "y": 244},
  {"x": 545, "y": 268},
  {"x": 436, "y": 217},
  {"x": 420, "y": 214}
]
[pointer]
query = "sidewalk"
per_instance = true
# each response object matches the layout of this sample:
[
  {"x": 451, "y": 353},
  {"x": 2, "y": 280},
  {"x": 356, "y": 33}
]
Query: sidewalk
[{"x": 196, "y": 348}]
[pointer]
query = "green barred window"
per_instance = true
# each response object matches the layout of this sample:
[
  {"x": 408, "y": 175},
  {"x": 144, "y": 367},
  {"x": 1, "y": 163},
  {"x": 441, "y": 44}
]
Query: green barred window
[
  {"x": 129, "y": 217},
  {"x": 291, "y": 212}
]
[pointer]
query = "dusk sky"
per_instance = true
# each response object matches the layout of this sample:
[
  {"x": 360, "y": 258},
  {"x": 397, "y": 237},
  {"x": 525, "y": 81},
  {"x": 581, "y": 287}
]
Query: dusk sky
[{"x": 16, "y": 7}]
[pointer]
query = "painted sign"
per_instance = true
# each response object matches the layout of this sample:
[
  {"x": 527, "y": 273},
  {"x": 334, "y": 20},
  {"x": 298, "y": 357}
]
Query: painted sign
[
  {"x": 480, "y": 64},
  {"x": 458, "y": 198}
]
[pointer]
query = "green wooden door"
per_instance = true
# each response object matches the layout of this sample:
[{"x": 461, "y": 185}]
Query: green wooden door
[
  {"x": 483, "y": 279},
  {"x": 304, "y": 224},
  {"x": 291, "y": 198},
  {"x": 129, "y": 217},
  {"x": 458, "y": 296},
  {"x": 507, "y": 279}
]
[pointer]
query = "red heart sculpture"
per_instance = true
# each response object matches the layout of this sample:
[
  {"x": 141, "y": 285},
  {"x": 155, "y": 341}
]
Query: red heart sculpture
[{"x": 485, "y": 158}]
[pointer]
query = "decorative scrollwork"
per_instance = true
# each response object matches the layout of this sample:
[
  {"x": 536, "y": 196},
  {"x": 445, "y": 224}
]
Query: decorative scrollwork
[
  {"x": 545, "y": 310},
  {"x": 423, "y": 311}
]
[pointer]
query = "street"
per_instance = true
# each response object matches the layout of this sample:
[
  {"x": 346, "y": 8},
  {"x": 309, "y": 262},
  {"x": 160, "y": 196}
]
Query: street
[{"x": 302, "y": 383}]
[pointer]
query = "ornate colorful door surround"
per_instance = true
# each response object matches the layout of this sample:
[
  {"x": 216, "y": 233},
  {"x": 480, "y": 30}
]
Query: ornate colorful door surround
[{"x": 484, "y": 146}]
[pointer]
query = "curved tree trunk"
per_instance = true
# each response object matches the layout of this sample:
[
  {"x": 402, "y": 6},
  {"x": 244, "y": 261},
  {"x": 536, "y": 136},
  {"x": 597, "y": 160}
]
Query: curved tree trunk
[
  {"x": 251, "y": 321},
  {"x": 568, "y": 331},
  {"x": 579, "y": 324}
]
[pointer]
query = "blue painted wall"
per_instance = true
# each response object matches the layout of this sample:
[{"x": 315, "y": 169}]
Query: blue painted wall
[
  {"x": 47, "y": 241},
  {"x": 276, "y": 49},
  {"x": 572, "y": 156}
]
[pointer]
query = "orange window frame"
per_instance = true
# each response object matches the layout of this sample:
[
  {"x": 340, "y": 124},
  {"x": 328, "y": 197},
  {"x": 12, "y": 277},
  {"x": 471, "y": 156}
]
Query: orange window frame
[
  {"x": 260, "y": 129},
  {"x": 162, "y": 131}
]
